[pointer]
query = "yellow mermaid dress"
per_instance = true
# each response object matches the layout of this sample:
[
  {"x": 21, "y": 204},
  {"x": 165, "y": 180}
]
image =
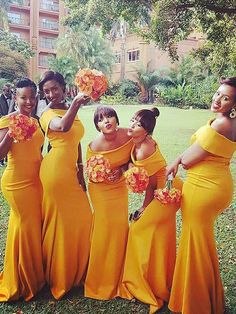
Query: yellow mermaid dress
[
  {"x": 67, "y": 216},
  {"x": 208, "y": 190},
  {"x": 23, "y": 267},
  {"x": 151, "y": 248},
  {"x": 110, "y": 229}
]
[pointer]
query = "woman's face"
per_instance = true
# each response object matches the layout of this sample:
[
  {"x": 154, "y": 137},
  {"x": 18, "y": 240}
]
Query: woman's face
[
  {"x": 224, "y": 99},
  {"x": 25, "y": 100},
  {"x": 135, "y": 129},
  {"x": 107, "y": 124},
  {"x": 53, "y": 91}
]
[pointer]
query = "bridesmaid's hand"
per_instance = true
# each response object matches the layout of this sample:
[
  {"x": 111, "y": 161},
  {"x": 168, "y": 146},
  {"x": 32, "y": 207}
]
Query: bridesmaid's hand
[
  {"x": 80, "y": 99},
  {"x": 173, "y": 168},
  {"x": 114, "y": 175},
  {"x": 80, "y": 176},
  {"x": 138, "y": 213}
]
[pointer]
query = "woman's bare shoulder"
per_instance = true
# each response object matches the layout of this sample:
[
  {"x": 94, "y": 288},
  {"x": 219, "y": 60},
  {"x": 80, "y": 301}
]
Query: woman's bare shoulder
[
  {"x": 97, "y": 144},
  {"x": 225, "y": 127},
  {"x": 147, "y": 148}
]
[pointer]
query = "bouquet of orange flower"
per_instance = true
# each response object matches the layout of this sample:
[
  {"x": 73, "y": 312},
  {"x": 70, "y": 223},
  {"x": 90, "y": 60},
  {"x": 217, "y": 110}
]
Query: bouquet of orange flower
[
  {"x": 168, "y": 195},
  {"x": 136, "y": 179},
  {"x": 98, "y": 168},
  {"x": 91, "y": 82},
  {"x": 21, "y": 127}
]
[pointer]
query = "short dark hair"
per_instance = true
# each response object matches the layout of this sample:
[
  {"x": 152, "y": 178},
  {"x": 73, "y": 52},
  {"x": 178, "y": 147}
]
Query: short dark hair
[
  {"x": 26, "y": 82},
  {"x": 231, "y": 81},
  {"x": 52, "y": 75},
  {"x": 147, "y": 118},
  {"x": 104, "y": 111}
]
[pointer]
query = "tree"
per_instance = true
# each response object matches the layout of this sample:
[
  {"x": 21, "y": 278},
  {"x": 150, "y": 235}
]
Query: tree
[
  {"x": 13, "y": 65},
  {"x": 66, "y": 66},
  {"x": 166, "y": 22},
  {"x": 148, "y": 81},
  {"x": 87, "y": 48},
  {"x": 4, "y": 7},
  {"x": 16, "y": 44}
]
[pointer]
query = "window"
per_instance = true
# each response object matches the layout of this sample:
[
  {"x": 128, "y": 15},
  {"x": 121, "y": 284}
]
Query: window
[
  {"x": 14, "y": 18},
  {"x": 50, "y": 5},
  {"x": 43, "y": 60},
  {"x": 133, "y": 55},
  {"x": 49, "y": 24},
  {"x": 117, "y": 57},
  {"x": 47, "y": 42},
  {"x": 21, "y": 2},
  {"x": 18, "y": 35}
]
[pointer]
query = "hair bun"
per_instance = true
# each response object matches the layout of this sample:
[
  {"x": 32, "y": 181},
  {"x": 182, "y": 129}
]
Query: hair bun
[{"x": 155, "y": 112}]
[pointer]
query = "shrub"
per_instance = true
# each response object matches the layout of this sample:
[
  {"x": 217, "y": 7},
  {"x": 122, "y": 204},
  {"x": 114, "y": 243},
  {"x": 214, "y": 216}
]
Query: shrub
[{"x": 128, "y": 88}]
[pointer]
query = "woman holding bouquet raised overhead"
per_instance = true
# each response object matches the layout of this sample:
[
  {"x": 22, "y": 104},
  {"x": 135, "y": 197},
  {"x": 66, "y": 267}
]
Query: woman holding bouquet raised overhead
[
  {"x": 67, "y": 215},
  {"x": 151, "y": 248},
  {"x": 207, "y": 191},
  {"x": 21, "y": 139},
  {"x": 110, "y": 203}
]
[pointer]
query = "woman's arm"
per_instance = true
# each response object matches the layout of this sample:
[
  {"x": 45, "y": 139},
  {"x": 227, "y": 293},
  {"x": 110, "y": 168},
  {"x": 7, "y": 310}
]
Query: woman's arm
[
  {"x": 80, "y": 169},
  {"x": 191, "y": 156},
  {"x": 5, "y": 143},
  {"x": 64, "y": 124},
  {"x": 149, "y": 195}
]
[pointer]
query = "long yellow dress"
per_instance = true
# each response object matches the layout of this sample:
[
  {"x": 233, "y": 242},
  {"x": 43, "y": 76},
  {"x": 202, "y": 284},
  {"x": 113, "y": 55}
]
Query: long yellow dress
[
  {"x": 208, "y": 190},
  {"x": 151, "y": 248},
  {"x": 110, "y": 229},
  {"x": 67, "y": 216},
  {"x": 23, "y": 267}
]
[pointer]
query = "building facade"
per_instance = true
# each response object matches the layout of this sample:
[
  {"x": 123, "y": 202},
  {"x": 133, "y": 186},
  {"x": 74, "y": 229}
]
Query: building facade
[
  {"x": 38, "y": 22},
  {"x": 132, "y": 53}
]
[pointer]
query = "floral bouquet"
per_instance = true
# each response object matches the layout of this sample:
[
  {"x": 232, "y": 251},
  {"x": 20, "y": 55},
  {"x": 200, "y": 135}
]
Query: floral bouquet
[
  {"x": 91, "y": 82},
  {"x": 168, "y": 195},
  {"x": 21, "y": 127},
  {"x": 136, "y": 179},
  {"x": 98, "y": 168}
]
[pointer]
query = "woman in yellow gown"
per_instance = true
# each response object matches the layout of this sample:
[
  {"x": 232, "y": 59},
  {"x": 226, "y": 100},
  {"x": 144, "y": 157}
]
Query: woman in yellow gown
[
  {"x": 67, "y": 215},
  {"x": 23, "y": 268},
  {"x": 110, "y": 203},
  {"x": 207, "y": 191},
  {"x": 151, "y": 248}
]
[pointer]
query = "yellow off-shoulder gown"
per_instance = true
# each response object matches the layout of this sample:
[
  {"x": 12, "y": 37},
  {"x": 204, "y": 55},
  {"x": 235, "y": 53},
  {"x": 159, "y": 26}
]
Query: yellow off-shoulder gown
[
  {"x": 151, "y": 248},
  {"x": 67, "y": 216},
  {"x": 23, "y": 267},
  {"x": 207, "y": 191},
  {"x": 110, "y": 229}
]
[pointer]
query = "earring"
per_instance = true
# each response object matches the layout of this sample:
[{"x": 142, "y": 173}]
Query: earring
[{"x": 232, "y": 114}]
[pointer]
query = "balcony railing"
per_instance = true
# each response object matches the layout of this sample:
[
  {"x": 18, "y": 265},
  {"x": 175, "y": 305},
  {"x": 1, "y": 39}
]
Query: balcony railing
[
  {"x": 18, "y": 21},
  {"x": 49, "y": 7},
  {"x": 49, "y": 25},
  {"x": 24, "y": 3},
  {"x": 49, "y": 44}
]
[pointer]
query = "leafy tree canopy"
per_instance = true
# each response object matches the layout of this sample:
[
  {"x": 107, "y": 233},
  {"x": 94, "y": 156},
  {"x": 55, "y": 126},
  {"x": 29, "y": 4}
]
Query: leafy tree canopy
[
  {"x": 165, "y": 22},
  {"x": 13, "y": 65},
  {"x": 87, "y": 47},
  {"x": 16, "y": 44}
]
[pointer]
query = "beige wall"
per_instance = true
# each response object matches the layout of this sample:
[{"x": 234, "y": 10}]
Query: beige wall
[{"x": 151, "y": 57}]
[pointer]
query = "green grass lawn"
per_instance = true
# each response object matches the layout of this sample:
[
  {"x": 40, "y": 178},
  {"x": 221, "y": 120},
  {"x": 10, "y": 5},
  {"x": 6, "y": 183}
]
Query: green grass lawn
[{"x": 173, "y": 131}]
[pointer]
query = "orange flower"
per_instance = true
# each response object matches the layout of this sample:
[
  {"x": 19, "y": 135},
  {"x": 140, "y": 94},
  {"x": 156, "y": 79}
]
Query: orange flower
[
  {"x": 168, "y": 195},
  {"x": 91, "y": 82},
  {"x": 97, "y": 168},
  {"x": 21, "y": 127},
  {"x": 136, "y": 179}
]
